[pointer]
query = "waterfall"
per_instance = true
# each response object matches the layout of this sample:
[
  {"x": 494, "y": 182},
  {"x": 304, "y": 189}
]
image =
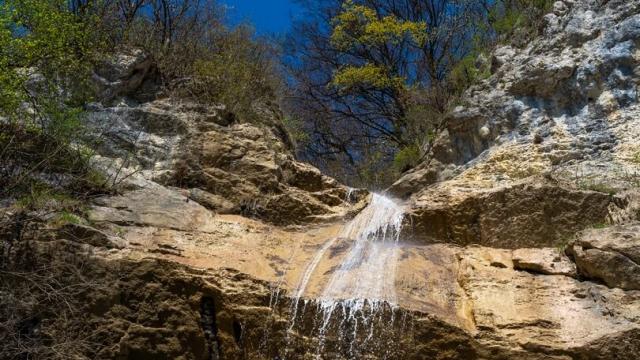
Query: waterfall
[
  {"x": 367, "y": 272},
  {"x": 361, "y": 288}
]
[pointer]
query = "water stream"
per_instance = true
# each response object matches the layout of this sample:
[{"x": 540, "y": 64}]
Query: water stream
[{"x": 360, "y": 293}]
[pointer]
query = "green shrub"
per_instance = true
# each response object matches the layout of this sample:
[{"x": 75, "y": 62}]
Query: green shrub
[
  {"x": 237, "y": 72},
  {"x": 65, "y": 217},
  {"x": 295, "y": 129},
  {"x": 407, "y": 158},
  {"x": 36, "y": 195},
  {"x": 468, "y": 71},
  {"x": 636, "y": 158},
  {"x": 518, "y": 21},
  {"x": 598, "y": 186},
  {"x": 47, "y": 54}
]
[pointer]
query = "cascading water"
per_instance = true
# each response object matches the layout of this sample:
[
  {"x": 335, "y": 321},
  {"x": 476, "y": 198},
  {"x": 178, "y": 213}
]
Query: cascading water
[
  {"x": 367, "y": 272},
  {"x": 360, "y": 292}
]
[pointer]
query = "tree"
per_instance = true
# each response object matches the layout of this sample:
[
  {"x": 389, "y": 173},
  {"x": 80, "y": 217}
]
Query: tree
[
  {"x": 370, "y": 78},
  {"x": 370, "y": 45},
  {"x": 44, "y": 36},
  {"x": 46, "y": 56}
]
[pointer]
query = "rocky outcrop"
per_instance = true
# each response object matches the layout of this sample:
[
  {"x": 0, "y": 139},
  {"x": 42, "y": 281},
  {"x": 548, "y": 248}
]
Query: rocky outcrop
[
  {"x": 453, "y": 303},
  {"x": 530, "y": 213},
  {"x": 547, "y": 261},
  {"x": 227, "y": 166},
  {"x": 200, "y": 251},
  {"x": 553, "y": 129},
  {"x": 525, "y": 315},
  {"x": 610, "y": 255}
]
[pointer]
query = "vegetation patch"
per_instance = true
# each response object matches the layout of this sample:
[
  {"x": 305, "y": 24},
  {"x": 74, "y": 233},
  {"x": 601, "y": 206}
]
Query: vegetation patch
[{"x": 597, "y": 186}]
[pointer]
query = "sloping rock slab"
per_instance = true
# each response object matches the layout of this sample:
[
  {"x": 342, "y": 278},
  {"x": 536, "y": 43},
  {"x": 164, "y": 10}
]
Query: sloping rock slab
[
  {"x": 532, "y": 213},
  {"x": 546, "y": 261},
  {"x": 520, "y": 315}
]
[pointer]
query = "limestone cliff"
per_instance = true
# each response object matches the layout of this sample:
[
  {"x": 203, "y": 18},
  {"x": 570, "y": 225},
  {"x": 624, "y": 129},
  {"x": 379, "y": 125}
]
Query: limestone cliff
[{"x": 520, "y": 240}]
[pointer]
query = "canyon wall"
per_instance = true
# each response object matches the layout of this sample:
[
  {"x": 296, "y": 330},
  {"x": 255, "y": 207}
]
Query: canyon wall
[{"x": 520, "y": 237}]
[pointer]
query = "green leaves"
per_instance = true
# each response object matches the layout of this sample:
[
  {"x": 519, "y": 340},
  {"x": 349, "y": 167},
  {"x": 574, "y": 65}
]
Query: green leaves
[
  {"x": 517, "y": 21},
  {"x": 237, "y": 73},
  {"x": 368, "y": 75},
  {"x": 361, "y": 25},
  {"x": 10, "y": 81},
  {"x": 43, "y": 37},
  {"x": 407, "y": 158},
  {"x": 359, "y": 28}
]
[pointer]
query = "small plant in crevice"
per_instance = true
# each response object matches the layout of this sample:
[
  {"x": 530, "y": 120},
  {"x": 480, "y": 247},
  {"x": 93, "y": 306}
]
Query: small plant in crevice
[
  {"x": 251, "y": 208},
  {"x": 562, "y": 245},
  {"x": 601, "y": 225},
  {"x": 635, "y": 158},
  {"x": 65, "y": 217},
  {"x": 407, "y": 158},
  {"x": 598, "y": 186}
]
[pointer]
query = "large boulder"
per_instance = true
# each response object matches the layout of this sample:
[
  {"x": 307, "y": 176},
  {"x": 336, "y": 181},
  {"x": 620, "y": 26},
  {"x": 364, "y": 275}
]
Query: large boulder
[
  {"x": 610, "y": 255},
  {"x": 530, "y": 213}
]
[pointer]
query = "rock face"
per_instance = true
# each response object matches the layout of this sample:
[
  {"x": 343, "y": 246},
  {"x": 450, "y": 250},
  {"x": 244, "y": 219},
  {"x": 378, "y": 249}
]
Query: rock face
[
  {"x": 610, "y": 255},
  {"x": 546, "y": 139},
  {"x": 543, "y": 261},
  {"x": 227, "y": 166},
  {"x": 520, "y": 241},
  {"x": 530, "y": 213}
]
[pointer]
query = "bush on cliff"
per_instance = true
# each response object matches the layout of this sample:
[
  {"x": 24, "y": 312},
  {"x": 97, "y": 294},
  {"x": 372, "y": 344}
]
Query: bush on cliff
[{"x": 46, "y": 57}]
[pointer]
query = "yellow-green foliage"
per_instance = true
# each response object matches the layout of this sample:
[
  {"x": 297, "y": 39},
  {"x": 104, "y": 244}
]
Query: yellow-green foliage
[
  {"x": 53, "y": 36},
  {"x": 44, "y": 36},
  {"x": 65, "y": 217},
  {"x": 10, "y": 95},
  {"x": 367, "y": 75},
  {"x": 359, "y": 26}
]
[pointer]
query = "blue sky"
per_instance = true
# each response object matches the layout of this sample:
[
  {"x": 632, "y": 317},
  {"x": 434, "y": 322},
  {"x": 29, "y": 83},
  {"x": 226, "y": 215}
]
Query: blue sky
[{"x": 268, "y": 16}]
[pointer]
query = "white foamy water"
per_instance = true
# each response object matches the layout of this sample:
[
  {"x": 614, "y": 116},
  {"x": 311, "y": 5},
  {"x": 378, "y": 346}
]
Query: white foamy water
[
  {"x": 362, "y": 287},
  {"x": 306, "y": 276},
  {"x": 368, "y": 269}
]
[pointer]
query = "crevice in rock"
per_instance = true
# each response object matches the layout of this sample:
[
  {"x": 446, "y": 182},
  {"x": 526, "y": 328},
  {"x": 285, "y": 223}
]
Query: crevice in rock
[
  {"x": 237, "y": 332},
  {"x": 210, "y": 327},
  {"x": 540, "y": 273}
]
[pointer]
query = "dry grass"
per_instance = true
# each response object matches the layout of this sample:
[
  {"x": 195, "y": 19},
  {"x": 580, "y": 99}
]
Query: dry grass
[{"x": 42, "y": 312}]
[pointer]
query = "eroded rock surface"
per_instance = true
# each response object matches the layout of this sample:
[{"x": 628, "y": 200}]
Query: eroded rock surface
[
  {"x": 547, "y": 261},
  {"x": 611, "y": 255},
  {"x": 227, "y": 165},
  {"x": 529, "y": 213},
  {"x": 554, "y": 128}
]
